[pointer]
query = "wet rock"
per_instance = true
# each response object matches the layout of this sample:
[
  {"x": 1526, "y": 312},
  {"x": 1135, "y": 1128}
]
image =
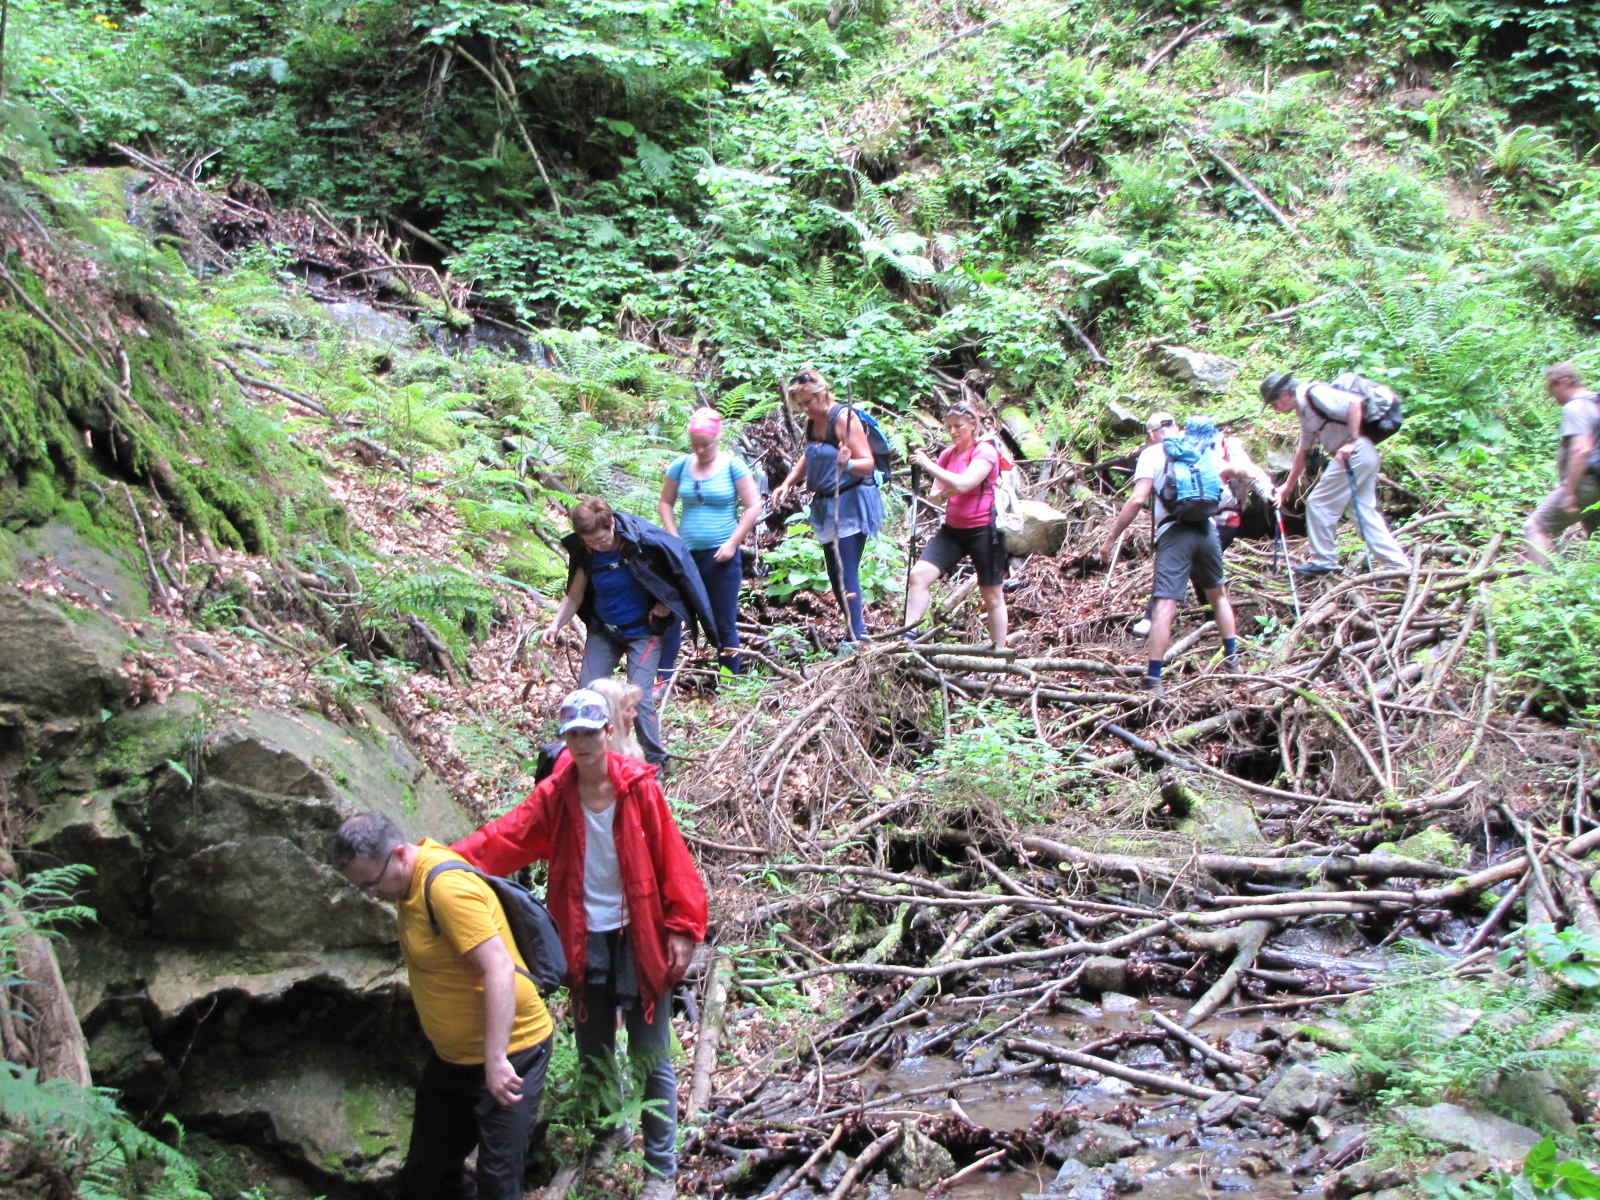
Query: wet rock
[
  {"x": 985, "y": 1059},
  {"x": 1320, "y": 1128},
  {"x": 1078, "y": 1181},
  {"x": 1364, "y": 1178},
  {"x": 1538, "y": 1095},
  {"x": 1392, "y": 1194},
  {"x": 1202, "y": 371},
  {"x": 1300, "y": 1093},
  {"x": 918, "y": 1161},
  {"x": 1232, "y": 1181},
  {"x": 1097, "y": 1144},
  {"x": 1105, "y": 973},
  {"x": 833, "y": 1170},
  {"x": 369, "y": 324},
  {"x": 1504, "y": 1142},
  {"x": 1343, "y": 1141},
  {"x": 1242, "y": 1039},
  {"x": 1219, "y": 1108},
  {"x": 1116, "y": 1002},
  {"x": 1121, "y": 421},
  {"x": 1148, "y": 1057},
  {"x": 1461, "y": 1166},
  {"x": 1329, "y": 1034}
]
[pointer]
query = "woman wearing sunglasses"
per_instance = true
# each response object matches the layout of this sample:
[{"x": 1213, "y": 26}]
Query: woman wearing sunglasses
[
  {"x": 838, "y": 464},
  {"x": 712, "y": 486}
]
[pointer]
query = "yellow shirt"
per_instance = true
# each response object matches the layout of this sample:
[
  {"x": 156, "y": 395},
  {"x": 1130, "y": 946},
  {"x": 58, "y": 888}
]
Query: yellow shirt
[{"x": 446, "y": 988}]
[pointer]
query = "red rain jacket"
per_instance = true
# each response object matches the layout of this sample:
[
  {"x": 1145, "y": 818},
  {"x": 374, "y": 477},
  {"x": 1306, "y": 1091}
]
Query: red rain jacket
[{"x": 659, "y": 880}]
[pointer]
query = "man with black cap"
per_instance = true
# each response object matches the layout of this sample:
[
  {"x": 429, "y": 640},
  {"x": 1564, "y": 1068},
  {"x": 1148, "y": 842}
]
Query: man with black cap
[{"x": 1331, "y": 418}]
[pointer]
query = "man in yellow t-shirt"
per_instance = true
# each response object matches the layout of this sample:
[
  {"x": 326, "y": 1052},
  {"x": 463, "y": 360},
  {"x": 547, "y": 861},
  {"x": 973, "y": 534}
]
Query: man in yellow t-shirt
[{"x": 488, "y": 1027}]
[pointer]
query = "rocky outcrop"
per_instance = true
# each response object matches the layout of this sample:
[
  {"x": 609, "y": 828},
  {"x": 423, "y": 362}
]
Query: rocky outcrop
[
  {"x": 60, "y": 671},
  {"x": 234, "y": 978},
  {"x": 1503, "y": 1142},
  {"x": 1202, "y": 372}
]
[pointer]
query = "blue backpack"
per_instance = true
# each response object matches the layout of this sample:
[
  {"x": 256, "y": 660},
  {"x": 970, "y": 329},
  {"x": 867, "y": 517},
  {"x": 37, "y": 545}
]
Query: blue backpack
[
  {"x": 533, "y": 929},
  {"x": 877, "y": 441},
  {"x": 1191, "y": 486}
]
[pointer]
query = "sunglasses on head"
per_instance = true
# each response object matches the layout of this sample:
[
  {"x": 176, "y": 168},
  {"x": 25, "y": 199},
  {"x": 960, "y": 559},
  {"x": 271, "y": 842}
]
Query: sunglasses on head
[
  {"x": 805, "y": 377},
  {"x": 1167, "y": 424}
]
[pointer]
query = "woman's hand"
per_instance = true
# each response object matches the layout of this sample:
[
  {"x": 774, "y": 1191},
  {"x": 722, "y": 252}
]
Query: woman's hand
[
  {"x": 547, "y": 639},
  {"x": 920, "y": 457},
  {"x": 659, "y": 610},
  {"x": 680, "y": 953},
  {"x": 726, "y": 551},
  {"x": 778, "y": 497}
]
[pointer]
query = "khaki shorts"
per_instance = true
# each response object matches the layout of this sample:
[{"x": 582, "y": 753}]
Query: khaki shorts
[{"x": 1552, "y": 517}]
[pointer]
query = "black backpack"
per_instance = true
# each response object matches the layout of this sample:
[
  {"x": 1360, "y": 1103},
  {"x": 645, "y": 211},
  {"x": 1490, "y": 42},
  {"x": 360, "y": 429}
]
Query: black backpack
[
  {"x": 1380, "y": 407},
  {"x": 532, "y": 927},
  {"x": 877, "y": 440}
]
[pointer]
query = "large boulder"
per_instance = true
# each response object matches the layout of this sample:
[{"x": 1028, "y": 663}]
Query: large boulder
[
  {"x": 1503, "y": 1142},
  {"x": 1044, "y": 530},
  {"x": 1201, "y": 371},
  {"x": 1300, "y": 1093},
  {"x": 60, "y": 663},
  {"x": 1538, "y": 1095},
  {"x": 233, "y": 976}
]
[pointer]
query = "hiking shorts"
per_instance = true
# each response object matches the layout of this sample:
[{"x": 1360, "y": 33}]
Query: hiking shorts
[
  {"x": 1186, "y": 549},
  {"x": 982, "y": 544},
  {"x": 1553, "y": 519}
]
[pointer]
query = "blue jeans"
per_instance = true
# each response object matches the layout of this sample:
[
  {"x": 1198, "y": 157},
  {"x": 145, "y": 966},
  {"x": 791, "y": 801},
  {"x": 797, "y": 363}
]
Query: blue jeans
[
  {"x": 850, "y": 551},
  {"x": 602, "y": 653},
  {"x": 722, "y": 580},
  {"x": 649, "y": 1061}
]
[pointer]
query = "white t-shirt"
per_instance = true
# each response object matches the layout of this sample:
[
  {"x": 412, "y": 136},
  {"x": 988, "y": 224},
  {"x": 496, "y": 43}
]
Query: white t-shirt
[
  {"x": 603, "y": 904},
  {"x": 1152, "y": 465},
  {"x": 1327, "y": 422},
  {"x": 1579, "y": 416}
]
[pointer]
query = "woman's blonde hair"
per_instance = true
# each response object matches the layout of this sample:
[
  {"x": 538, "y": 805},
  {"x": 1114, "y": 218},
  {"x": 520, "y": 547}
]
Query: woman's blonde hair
[
  {"x": 618, "y": 693},
  {"x": 809, "y": 379}
]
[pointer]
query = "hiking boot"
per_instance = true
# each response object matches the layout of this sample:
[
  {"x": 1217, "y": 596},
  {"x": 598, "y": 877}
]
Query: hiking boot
[
  {"x": 1141, "y": 627},
  {"x": 1313, "y": 570},
  {"x": 608, "y": 1143},
  {"x": 1151, "y": 684},
  {"x": 659, "y": 1187}
]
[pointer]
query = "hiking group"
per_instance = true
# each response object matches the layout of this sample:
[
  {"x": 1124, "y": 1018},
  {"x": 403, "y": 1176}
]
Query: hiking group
[{"x": 627, "y": 904}]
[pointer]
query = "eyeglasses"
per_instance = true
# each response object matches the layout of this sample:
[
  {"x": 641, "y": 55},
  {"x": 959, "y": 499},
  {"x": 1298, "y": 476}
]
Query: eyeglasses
[
  {"x": 372, "y": 888},
  {"x": 1168, "y": 424}
]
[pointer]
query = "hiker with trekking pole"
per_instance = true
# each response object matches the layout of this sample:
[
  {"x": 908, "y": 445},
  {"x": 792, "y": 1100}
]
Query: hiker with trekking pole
[
  {"x": 1183, "y": 476},
  {"x": 969, "y": 473},
  {"x": 840, "y": 467},
  {"x": 1347, "y": 418}
]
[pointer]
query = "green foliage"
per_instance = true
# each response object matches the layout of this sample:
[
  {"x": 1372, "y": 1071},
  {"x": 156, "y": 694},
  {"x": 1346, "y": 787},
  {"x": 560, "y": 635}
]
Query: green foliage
[
  {"x": 1544, "y": 1176},
  {"x": 798, "y": 563},
  {"x": 1571, "y": 955},
  {"x": 994, "y": 757},
  {"x": 1547, "y": 629},
  {"x": 1409, "y": 1044}
]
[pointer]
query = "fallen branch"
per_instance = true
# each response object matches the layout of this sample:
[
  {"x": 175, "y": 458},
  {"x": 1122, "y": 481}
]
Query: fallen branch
[{"x": 1145, "y": 1079}]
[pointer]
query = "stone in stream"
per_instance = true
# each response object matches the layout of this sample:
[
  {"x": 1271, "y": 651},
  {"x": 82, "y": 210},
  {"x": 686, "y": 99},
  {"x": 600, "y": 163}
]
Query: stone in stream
[
  {"x": 1098, "y": 1144},
  {"x": 1503, "y": 1142},
  {"x": 1105, "y": 973},
  {"x": 1220, "y": 822},
  {"x": 918, "y": 1161},
  {"x": 1146, "y": 1057},
  {"x": 1301, "y": 1092},
  {"x": 1219, "y": 1108},
  {"x": 1116, "y": 1002}
]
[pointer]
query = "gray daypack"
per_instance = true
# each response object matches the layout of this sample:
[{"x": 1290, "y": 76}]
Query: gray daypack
[{"x": 533, "y": 929}]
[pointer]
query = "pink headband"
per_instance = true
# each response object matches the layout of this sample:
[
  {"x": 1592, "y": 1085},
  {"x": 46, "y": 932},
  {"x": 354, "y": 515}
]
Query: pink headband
[{"x": 707, "y": 422}]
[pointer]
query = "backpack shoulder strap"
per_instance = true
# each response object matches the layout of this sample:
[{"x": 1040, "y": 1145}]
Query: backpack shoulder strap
[
  {"x": 427, "y": 886},
  {"x": 433, "y": 921},
  {"x": 1311, "y": 399}
]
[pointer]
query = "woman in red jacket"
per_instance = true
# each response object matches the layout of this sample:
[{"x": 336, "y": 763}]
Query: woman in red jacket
[{"x": 630, "y": 906}]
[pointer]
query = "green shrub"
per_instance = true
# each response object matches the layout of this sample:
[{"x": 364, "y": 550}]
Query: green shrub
[
  {"x": 994, "y": 758},
  {"x": 1547, "y": 631},
  {"x": 1399, "y": 208}
]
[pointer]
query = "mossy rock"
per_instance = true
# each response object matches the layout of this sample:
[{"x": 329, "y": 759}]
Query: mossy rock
[{"x": 1434, "y": 844}]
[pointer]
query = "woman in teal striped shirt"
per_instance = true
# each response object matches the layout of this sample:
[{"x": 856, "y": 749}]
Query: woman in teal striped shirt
[{"x": 713, "y": 485}]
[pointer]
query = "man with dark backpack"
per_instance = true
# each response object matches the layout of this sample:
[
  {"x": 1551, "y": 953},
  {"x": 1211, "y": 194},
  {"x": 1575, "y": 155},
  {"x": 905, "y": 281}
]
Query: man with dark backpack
[
  {"x": 479, "y": 1005},
  {"x": 1183, "y": 477},
  {"x": 1347, "y": 418},
  {"x": 1579, "y": 488}
]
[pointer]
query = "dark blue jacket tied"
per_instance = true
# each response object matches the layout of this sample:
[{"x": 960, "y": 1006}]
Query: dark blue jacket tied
[{"x": 658, "y": 562}]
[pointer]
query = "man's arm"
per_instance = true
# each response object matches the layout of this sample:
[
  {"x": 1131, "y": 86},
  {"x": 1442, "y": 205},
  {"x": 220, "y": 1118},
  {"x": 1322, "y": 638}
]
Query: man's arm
[
  {"x": 491, "y": 960},
  {"x": 1296, "y": 469},
  {"x": 1353, "y": 427},
  {"x": 1141, "y": 493},
  {"x": 1577, "y": 463}
]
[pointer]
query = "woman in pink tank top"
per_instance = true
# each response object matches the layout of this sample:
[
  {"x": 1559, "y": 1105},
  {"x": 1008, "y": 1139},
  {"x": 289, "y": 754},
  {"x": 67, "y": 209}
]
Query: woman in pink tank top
[{"x": 967, "y": 473}]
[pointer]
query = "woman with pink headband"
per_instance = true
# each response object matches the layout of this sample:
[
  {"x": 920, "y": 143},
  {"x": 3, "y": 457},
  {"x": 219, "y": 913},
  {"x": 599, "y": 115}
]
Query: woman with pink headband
[{"x": 712, "y": 485}]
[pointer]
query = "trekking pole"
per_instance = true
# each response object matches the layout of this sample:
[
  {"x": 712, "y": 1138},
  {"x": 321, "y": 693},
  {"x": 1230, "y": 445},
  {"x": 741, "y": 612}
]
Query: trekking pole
[
  {"x": 911, "y": 519},
  {"x": 1288, "y": 567},
  {"x": 1355, "y": 504}
]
